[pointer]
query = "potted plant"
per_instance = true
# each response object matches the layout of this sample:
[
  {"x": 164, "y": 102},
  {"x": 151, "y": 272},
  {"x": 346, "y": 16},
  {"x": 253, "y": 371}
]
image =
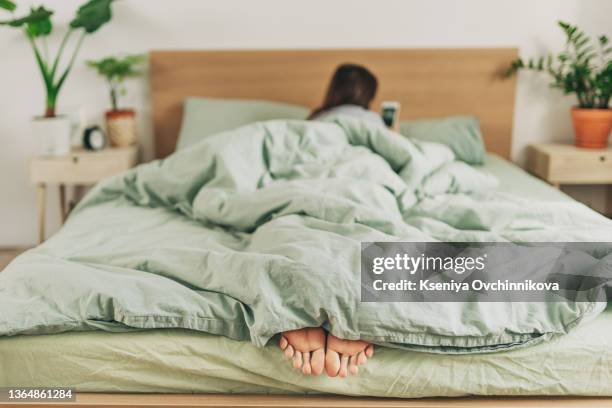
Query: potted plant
[
  {"x": 120, "y": 122},
  {"x": 584, "y": 69},
  {"x": 52, "y": 130}
]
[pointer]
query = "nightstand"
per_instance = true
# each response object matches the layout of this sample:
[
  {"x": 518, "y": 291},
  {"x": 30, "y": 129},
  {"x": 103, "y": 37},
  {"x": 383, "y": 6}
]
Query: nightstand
[
  {"x": 567, "y": 164},
  {"x": 79, "y": 168}
]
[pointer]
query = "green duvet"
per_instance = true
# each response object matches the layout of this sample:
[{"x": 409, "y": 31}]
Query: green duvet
[{"x": 256, "y": 231}]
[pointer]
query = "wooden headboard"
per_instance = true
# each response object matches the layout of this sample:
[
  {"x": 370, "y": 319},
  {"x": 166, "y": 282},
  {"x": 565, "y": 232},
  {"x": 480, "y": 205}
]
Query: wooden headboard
[{"x": 427, "y": 82}]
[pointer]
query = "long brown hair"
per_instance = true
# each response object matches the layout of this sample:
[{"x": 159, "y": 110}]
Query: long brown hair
[{"x": 351, "y": 84}]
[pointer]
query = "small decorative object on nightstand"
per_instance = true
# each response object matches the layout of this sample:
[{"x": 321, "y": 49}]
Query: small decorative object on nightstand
[
  {"x": 120, "y": 122},
  {"x": 94, "y": 139},
  {"x": 567, "y": 164},
  {"x": 79, "y": 168}
]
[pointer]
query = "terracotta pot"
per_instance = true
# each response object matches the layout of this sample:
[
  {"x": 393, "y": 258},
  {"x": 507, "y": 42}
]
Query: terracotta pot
[
  {"x": 121, "y": 127},
  {"x": 592, "y": 127}
]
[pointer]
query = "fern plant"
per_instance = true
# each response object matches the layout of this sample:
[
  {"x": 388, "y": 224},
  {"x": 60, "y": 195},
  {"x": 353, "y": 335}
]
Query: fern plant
[
  {"x": 583, "y": 68},
  {"x": 38, "y": 26},
  {"x": 116, "y": 70}
]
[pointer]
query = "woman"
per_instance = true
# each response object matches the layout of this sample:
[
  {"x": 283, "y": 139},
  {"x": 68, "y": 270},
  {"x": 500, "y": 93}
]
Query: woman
[{"x": 350, "y": 92}]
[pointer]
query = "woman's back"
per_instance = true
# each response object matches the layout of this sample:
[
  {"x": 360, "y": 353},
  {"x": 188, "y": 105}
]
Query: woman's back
[{"x": 354, "y": 111}]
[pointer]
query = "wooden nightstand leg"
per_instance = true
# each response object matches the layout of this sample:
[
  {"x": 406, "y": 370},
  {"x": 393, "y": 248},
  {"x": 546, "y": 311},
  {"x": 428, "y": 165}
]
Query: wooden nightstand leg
[
  {"x": 41, "y": 190},
  {"x": 62, "y": 197}
]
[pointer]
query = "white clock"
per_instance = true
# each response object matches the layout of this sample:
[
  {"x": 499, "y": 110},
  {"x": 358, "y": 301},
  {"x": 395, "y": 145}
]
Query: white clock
[{"x": 94, "y": 138}]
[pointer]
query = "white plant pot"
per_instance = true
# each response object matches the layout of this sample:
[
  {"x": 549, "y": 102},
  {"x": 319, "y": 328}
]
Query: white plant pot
[{"x": 52, "y": 135}]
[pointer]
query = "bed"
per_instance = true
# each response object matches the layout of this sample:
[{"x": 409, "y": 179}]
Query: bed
[
  {"x": 175, "y": 361},
  {"x": 180, "y": 361}
]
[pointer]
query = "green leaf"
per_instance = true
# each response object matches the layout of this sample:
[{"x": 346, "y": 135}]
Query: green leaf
[
  {"x": 39, "y": 28},
  {"x": 92, "y": 15},
  {"x": 7, "y": 5},
  {"x": 37, "y": 23},
  {"x": 581, "y": 42},
  {"x": 118, "y": 68},
  {"x": 513, "y": 68},
  {"x": 586, "y": 55},
  {"x": 530, "y": 64},
  {"x": 582, "y": 69},
  {"x": 565, "y": 26}
]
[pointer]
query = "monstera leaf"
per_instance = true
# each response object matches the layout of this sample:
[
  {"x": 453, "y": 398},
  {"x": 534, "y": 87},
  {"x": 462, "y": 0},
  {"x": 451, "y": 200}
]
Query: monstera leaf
[
  {"x": 37, "y": 23},
  {"x": 92, "y": 15},
  {"x": 7, "y": 5}
]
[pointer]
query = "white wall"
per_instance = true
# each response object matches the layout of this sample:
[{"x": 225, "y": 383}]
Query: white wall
[{"x": 141, "y": 25}]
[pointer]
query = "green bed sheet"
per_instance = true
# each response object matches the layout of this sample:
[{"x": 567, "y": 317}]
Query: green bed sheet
[
  {"x": 514, "y": 180},
  {"x": 186, "y": 361},
  {"x": 579, "y": 363}
]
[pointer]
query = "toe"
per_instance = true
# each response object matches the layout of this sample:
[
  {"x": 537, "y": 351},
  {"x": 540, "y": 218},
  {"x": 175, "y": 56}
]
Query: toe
[
  {"x": 361, "y": 358},
  {"x": 317, "y": 361},
  {"x": 353, "y": 369},
  {"x": 289, "y": 352},
  {"x": 283, "y": 343},
  {"x": 369, "y": 350},
  {"x": 297, "y": 360},
  {"x": 306, "y": 368},
  {"x": 343, "y": 373},
  {"x": 332, "y": 363}
]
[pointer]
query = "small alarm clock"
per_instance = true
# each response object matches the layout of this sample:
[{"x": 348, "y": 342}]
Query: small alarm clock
[{"x": 94, "y": 138}]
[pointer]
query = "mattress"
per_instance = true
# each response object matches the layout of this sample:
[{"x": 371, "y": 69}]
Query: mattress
[{"x": 579, "y": 363}]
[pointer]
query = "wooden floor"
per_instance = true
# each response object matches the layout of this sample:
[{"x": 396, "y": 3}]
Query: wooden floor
[{"x": 259, "y": 401}]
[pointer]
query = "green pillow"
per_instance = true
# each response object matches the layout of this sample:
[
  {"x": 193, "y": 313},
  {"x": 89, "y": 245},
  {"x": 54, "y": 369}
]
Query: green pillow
[
  {"x": 460, "y": 133},
  {"x": 203, "y": 117}
]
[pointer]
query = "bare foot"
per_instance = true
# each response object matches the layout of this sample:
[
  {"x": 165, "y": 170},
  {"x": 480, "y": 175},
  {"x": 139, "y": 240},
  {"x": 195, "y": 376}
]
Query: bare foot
[
  {"x": 345, "y": 356},
  {"x": 306, "y": 347}
]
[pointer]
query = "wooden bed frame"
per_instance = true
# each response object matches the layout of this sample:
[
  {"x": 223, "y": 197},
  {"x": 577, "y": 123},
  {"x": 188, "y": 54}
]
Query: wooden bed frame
[{"x": 428, "y": 83}]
